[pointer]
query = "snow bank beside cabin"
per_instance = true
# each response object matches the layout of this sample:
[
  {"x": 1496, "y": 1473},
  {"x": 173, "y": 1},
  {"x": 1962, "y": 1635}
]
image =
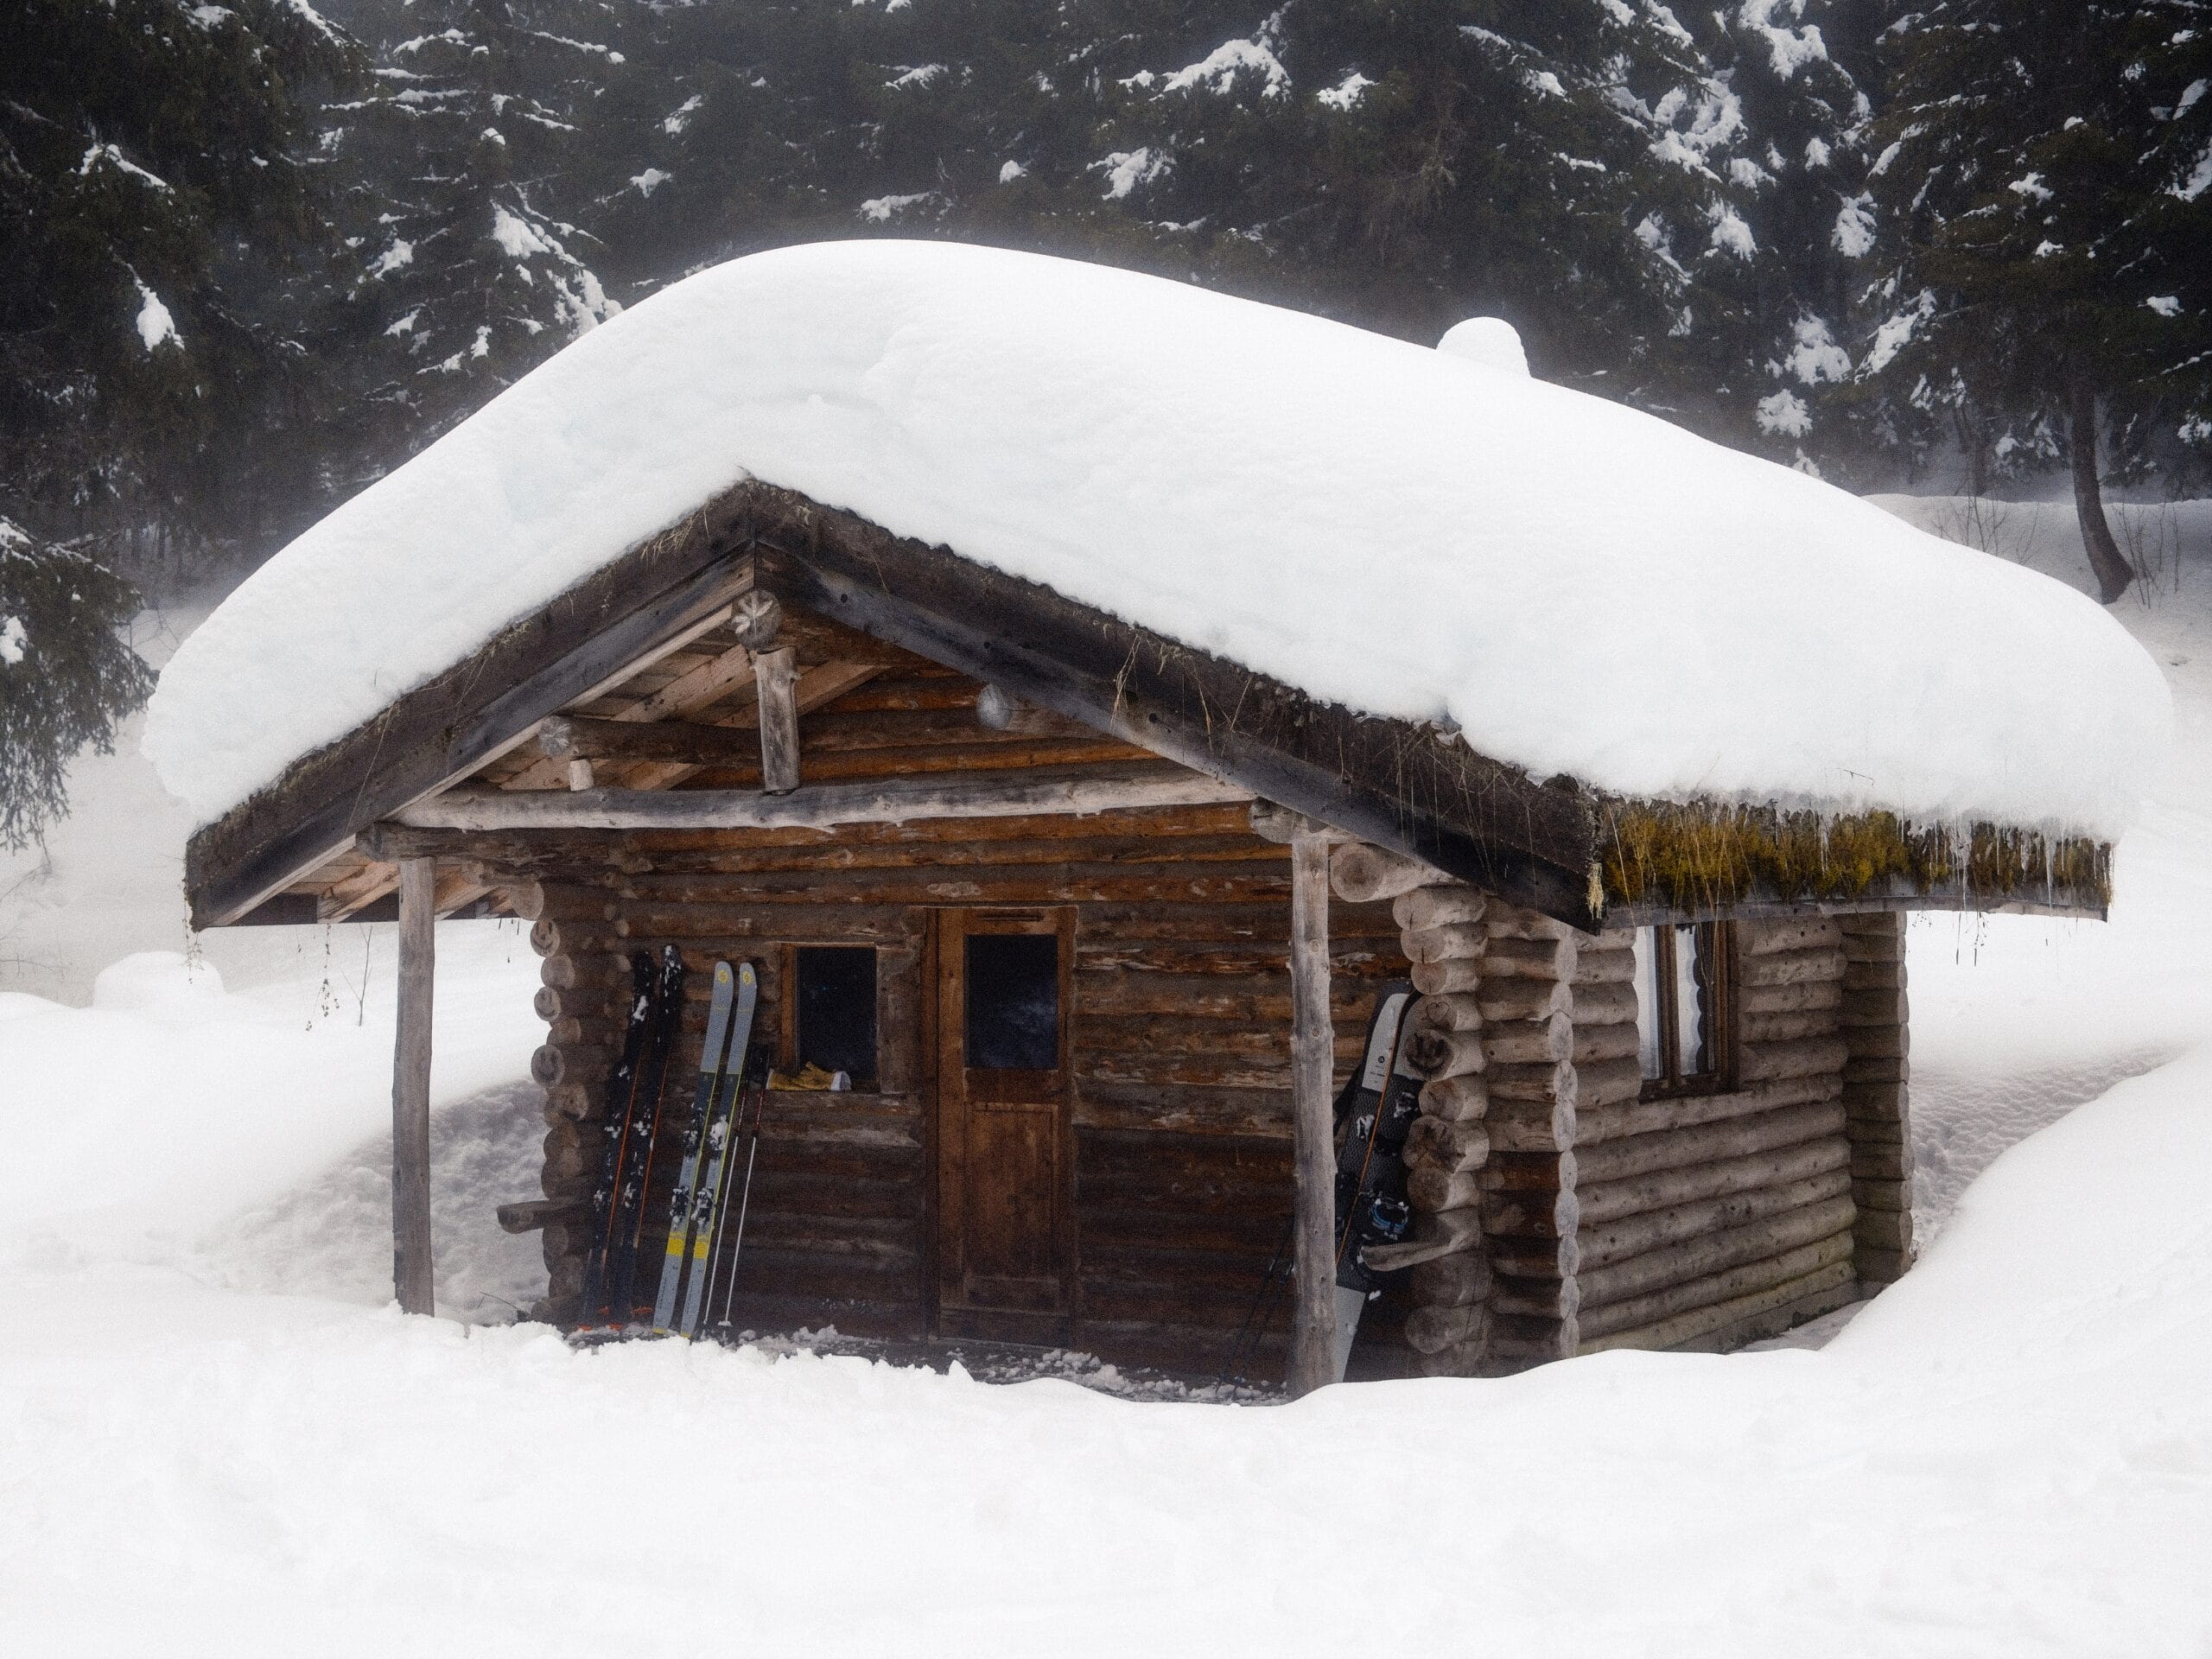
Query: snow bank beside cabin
[{"x": 1583, "y": 588}]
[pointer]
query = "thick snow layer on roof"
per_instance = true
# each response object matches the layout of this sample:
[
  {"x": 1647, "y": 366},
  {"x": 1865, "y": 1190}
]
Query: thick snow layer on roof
[{"x": 1583, "y": 588}]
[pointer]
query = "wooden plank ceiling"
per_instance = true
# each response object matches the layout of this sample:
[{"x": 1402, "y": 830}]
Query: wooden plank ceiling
[{"x": 687, "y": 714}]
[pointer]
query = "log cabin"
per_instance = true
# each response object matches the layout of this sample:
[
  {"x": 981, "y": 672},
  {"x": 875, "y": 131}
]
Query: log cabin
[{"x": 1092, "y": 913}]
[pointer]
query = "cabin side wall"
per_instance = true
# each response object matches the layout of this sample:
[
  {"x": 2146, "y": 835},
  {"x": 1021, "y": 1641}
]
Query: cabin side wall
[
  {"x": 1179, "y": 1023},
  {"x": 1563, "y": 1213}
]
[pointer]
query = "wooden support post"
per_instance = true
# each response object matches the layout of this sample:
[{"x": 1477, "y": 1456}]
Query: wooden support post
[
  {"x": 1313, "y": 1046},
  {"x": 777, "y": 674},
  {"x": 410, "y": 1088}
]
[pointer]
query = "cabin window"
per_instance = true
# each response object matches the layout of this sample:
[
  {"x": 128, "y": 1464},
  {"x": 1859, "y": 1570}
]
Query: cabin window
[
  {"x": 833, "y": 1007},
  {"x": 1684, "y": 1013},
  {"x": 1013, "y": 997}
]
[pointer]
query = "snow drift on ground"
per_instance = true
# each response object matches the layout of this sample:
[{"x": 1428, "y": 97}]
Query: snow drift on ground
[
  {"x": 1582, "y": 587},
  {"x": 2010, "y": 1453}
]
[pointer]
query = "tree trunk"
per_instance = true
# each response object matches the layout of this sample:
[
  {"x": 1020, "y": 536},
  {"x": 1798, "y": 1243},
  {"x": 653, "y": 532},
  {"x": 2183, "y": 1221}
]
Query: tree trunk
[{"x": 2113, "y": 573}]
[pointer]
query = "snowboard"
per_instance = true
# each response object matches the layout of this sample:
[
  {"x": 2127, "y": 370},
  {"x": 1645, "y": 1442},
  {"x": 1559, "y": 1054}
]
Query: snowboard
[{"x": 1374, "y": 1113}]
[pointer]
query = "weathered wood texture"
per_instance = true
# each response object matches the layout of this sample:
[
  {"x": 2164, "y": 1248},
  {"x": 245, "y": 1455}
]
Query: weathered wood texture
[
  {"x": 1181, "y": 1021},
  {"x": 1876, "y": 1094},
  {"x": 1705, "y": 1219},
  {"x": 411, "y": 1089},
  {"x": 1313, "y": 1142}
]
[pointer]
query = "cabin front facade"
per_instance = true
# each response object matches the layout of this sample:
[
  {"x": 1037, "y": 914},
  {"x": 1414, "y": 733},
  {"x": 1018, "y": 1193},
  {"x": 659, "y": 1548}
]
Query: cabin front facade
[{"x": 1093, "y": 925}]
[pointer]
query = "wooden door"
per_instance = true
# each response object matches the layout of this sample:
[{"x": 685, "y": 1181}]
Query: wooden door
[{"x": 1004, "y": 1210}]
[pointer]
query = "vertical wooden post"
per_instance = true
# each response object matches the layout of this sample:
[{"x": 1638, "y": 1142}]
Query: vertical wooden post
[
  {"x": 411, "y": 1088},
  {"x": 1312, "y": 1057},
  {"x": 777, "y": 675}
]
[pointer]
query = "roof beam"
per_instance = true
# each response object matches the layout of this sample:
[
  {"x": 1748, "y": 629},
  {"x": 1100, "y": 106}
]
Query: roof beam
[{"x": 1022, "y": 794}]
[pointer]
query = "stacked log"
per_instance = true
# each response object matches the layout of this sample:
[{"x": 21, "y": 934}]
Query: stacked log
[
  {"x": 1876, "y": 1079},
  {"x": 1560, "y": 1008},
  {"x": 583, "y": 975},
  {"x": 1443, "y": 931},
  {"x": 1710, "y": 1219}
]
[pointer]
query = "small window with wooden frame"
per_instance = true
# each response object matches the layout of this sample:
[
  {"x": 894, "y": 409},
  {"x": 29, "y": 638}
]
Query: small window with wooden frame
[
  {"x": 829, "y": 1017},
  {"x": 1686, "y": 1008}
]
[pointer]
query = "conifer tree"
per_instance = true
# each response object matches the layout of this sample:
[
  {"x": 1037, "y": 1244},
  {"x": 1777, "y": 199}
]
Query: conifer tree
[
  {"x": 2042, "y": 169},
  {"x": 150, "y": 177}
]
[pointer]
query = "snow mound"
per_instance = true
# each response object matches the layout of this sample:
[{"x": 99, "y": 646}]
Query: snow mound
[
  {"x": 1491, "y": 340},
  {"x": 1584, "y": 588},
  {"x": 159, "y": 982}
]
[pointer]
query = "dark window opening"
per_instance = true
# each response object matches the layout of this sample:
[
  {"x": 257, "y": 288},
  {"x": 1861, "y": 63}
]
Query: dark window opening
[
  {"x": 1685, "y": 1009},
  {"x": 1014, "y": 1001},
  {"x": 834, "y": 1006}
]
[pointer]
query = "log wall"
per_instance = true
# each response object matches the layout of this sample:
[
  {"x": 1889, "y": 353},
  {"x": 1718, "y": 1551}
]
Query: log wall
[
  {"x": 1179, "y": 1031},
  {"x": 1559, "y": 1211}
]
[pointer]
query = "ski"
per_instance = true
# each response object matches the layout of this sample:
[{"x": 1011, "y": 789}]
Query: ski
[
  {"x": 642, "y": 1136},
  {"x": 736, "y": 993},
  {"x": 711, "y": 1199},
  {"x": 621, "y": 1101},
  {"x": 756, "y": 1091},
  {"x": 1374, "y": 1114}
]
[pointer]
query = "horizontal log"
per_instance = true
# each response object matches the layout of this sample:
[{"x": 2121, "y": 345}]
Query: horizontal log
[
  {"x": 1434, "y": 1189},
  {"x": 1533, "y": 1340},
  {"x": 1435, "y": 1144},
  {"x": 551, "y": 1063},
  {"x": 1452, "y": 942},
  {"x": 1728, "y": 1284},
  {"x": 1536, "y": 1299},
  {"x": 1531, "y": 1214},
  {"x": 1605, "y": 1243},
  {"x": 1512, "y": 922},
  {"x": 1430, "y": 1054},
  {"x": 1806, "y": 1057},
  {"x": 1790, "y": 967},
  {"x": 1756, "y": 1028},
  {"x": 1074, "y": 789},
  {"x": 1803, "y": 933},
  {"x": 1360, "y": 873},
  {"x": 1460, "y": 1280},
  {"x": 1881, "y": 1192},
  {"x": 1802, "y": 997},
  {"x": 1877, "y": 1265},
  {"x": 1432, "y": 1330},
  {"x": 1638, "y": 1154},
  {"x": 1535, "y": 1258},
  {"x": 1688, "y": 1327},
  {"x": 528, "y": 1214},
  {"x": 1526, "y": 1126},
  {"x": 1455, "y": 1100},
  {"x": 1710, "y": 1253},
  {"x": 1531, "y": 1172},
  {"x": 1885, "y": 1040},
  {"x": 1432, "y": 1236},
  {"x": 1878, "y": 1068},
  {"x": 1604, "y": 1201},
  {"x": 1879, "y": 1162},
  {"x": 576, "y": 737},
  {"x": 1608, "y": 1004},
  {"x": 1426, "y": 908},
  {"x": 1460, "y": 975},
  {"x": 1509, "y": 957},
  {"x": 1455, "y": 1010},
  {"x": 1616, "y": 1122},
  {"x": 1461, "y": 1359},
  {"x": 570, "y": 1103}
]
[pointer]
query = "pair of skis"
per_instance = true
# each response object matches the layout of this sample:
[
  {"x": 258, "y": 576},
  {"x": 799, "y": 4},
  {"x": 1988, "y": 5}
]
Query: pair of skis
[
  {"x": 636, "y": 1088},
  {"x": 698, "y": 1205}
]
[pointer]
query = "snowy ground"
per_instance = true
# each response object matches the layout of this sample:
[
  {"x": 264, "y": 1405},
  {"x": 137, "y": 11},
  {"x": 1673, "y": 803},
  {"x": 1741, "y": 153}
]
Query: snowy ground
[{"x": 214, "y": 1437}]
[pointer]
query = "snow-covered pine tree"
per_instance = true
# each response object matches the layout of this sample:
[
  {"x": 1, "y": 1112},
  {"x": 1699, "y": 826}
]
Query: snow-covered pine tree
[
  {"x": 465, "y": 181},
  {"x": 144, "y": 193},
  {"x": 2038, "y": 170},
  {"x": 1802, "y": 170}
]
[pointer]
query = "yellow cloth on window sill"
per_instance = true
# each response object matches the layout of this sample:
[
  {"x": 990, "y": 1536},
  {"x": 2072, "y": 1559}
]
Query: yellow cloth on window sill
[{"x": 810, "y": 1077}]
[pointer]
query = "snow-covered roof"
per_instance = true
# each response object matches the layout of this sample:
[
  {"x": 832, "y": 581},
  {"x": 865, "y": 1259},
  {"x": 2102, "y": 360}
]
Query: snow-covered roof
[{"x": 1582, "y": 587}]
